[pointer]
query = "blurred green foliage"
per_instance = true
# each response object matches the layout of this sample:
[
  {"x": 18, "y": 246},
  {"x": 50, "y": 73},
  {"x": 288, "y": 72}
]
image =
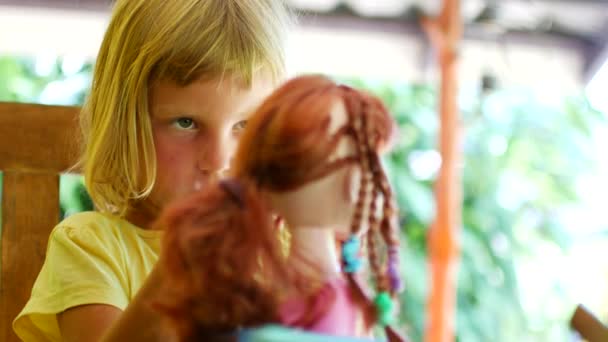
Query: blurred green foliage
[
  {"x": 522, "y": 159},
  {"x": 50, "y": 80}
]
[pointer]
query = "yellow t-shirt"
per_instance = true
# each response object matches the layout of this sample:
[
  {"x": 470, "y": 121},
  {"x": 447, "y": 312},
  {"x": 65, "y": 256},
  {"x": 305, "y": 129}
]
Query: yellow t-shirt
[{"x": 91, "y": 258}]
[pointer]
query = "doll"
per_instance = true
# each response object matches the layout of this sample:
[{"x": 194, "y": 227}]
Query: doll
[{"x": 310, "y": 154}]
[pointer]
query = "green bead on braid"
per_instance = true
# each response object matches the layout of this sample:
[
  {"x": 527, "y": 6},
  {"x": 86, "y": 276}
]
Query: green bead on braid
[{"x": 384, "y": 306}]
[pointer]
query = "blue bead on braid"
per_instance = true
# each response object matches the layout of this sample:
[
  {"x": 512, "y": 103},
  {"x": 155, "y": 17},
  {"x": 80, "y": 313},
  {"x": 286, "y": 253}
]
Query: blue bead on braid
[{"x": 350, "y": 255}]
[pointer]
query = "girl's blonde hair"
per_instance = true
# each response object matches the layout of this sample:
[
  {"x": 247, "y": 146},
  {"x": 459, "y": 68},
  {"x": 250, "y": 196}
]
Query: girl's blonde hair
[{"x": 176, "y": 40}]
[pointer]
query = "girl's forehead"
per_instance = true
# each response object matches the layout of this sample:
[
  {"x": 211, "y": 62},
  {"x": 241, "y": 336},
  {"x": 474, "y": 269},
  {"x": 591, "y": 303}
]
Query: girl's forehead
[{"x": 210, "y": 97}]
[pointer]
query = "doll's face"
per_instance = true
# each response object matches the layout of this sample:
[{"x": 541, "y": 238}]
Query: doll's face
[{"x": 330, "y": 201}]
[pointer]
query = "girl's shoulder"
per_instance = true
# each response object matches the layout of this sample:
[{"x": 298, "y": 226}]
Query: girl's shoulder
[
  {"x": 89, "y": 223},
  {"x": 91, "y": 218},
  {"x": 102, "y": 228}
]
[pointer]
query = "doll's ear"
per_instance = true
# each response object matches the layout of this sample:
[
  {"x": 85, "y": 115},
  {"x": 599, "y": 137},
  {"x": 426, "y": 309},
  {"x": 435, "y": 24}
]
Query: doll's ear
[{"x": 351, "y": 184}]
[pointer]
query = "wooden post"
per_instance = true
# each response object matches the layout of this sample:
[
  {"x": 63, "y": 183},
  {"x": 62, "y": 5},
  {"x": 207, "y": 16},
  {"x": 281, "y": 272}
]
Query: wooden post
[
  {"x": 444, "y": 33},
  {"x": 588, "y": 326}
]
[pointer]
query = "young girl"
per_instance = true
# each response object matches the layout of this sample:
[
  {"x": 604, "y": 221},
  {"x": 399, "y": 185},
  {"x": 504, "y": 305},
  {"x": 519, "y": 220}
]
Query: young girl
[
  {"x": 310, "y": 154},
  {"x": 173, "y": 84}
]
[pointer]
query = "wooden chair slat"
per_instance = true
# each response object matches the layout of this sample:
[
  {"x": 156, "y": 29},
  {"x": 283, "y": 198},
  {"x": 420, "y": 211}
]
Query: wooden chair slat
[
  {"x": 30, "y": 209},
  {"x": 37, "y": 143},
  {"x": 38, "y": 138}
]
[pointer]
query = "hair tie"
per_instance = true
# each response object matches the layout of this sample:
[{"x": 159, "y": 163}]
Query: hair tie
[
  {"x": 396, "y": 284},
  {"x": 350, "y": 255},
  {"x": 384, "y": 307}
]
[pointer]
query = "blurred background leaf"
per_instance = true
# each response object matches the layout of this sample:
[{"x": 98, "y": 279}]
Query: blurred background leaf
[{"x": 522, "y": 161}]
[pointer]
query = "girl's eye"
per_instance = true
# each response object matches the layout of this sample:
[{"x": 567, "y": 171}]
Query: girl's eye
[
  {"x": 184, "y": 123},
  {"x": 239, "y": 126}
]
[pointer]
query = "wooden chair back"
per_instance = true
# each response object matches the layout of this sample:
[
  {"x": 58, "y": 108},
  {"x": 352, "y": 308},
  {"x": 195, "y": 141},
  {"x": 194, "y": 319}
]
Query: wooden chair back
[{"x": 37, "y": 144}]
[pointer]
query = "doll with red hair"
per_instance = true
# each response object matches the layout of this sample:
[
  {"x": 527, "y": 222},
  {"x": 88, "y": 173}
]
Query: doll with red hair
[{"x": 310, "y": 155}]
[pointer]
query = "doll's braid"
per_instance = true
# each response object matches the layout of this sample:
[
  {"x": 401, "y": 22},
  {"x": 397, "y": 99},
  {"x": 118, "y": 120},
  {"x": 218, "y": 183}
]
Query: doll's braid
[
  {"x": 372, "y": 233},
  {"x": 367, "y": 136},
  {"x": 389, "y": 229},
  {"x": 351, "y": 247},
  {"x": 383, "y": 266}
]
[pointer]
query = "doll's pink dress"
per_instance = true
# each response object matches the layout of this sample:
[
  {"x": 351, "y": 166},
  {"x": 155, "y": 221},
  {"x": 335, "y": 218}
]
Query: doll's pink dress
[{"x": 343, "y": 317}]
